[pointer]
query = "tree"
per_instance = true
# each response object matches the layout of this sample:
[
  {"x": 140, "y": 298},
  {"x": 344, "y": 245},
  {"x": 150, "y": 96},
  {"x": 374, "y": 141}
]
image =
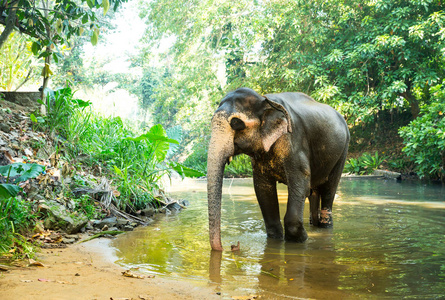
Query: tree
[
  {"x": 52, "y": 23},
  {"x": 361, "y": 57},
  {"x": 55, "y": 22},
  {"x": 424, "y": 137}
]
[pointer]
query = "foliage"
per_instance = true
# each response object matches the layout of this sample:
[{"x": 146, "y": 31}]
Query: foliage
[
  {"x": 17, "y": 172},
  {"x": 148, "y": 163},
  {"x": 17, "y": 63},
  {"x": 137, "y": 161},
  {"x": 15, "y": 219},
  {"x": 55, "y": 23},
  {"x": 85, "y": 204},
  {"x": 361, "y": 57},
  {"x": 60, "y": 106},
  {"x": 198, "y": 158},
  {"x": 357, "y": 56},
  {"x": 364, "y": 164},
  {"x": 240, "y": 166},
  {"x": 424, "y": 137},
  {"x": 351, "y": 55}
]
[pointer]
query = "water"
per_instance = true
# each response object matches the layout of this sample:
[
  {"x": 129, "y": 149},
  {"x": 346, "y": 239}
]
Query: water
[{"x": 387, "y": 243}]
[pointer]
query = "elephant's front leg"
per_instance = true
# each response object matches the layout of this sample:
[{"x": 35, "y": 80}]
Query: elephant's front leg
[
  {"x": 266, "y": 192},
  {"x": 298, "y": 190}
]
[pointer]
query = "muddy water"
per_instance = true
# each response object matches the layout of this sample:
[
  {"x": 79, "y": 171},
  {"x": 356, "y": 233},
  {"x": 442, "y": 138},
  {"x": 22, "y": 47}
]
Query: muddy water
[{"x": 387, "y": 242}]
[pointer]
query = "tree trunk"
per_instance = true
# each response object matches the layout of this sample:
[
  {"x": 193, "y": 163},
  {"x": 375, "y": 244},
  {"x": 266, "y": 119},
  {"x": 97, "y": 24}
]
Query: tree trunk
[
  {"x": 442, "y": 171},
  {"x": 413, "y": 103},
  {"x": 10, "y": 24},
  {"x": 46, "y": 67}
]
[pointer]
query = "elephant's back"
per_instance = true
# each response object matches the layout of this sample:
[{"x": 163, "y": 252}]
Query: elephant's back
[{"x": 302, "y": 105}]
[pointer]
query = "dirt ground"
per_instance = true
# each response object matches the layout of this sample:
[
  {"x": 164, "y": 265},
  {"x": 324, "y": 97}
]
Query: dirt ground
[{"x": 87, "y": 271}]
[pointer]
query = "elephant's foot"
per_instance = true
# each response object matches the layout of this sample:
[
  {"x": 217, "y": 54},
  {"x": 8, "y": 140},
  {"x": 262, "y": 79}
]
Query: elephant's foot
[
  {"x": 275, "y": 232},
  {"x": 295, "y": 234},
  {"x": 325, "y": 220}
]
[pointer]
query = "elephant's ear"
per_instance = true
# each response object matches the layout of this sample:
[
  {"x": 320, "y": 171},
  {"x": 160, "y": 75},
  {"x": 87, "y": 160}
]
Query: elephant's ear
[{"x": 275, "y": 123}]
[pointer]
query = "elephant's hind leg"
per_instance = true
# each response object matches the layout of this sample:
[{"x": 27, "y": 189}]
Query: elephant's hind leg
[
  {"x": 327, "y": 193},
  {"x": 314, "y": 201}
]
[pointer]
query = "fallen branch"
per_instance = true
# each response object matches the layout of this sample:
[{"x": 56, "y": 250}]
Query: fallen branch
[{"x": 101, "y": 234}]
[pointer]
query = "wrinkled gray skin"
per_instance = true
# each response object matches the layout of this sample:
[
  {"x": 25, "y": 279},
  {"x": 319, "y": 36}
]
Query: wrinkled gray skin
[{"x": 290, "y": 138}]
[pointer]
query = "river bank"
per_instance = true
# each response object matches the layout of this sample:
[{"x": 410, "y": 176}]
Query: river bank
[{"x": 87, "y": 271}]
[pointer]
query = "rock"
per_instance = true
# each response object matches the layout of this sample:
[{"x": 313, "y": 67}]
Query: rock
[
  {"x": 60, "y": 218},
  {"x": 68, "y": 241},
  {"x": 5, "y": 128},
  {"x": 174, "y": 207},
  {"x": 127, "y": 228},
  {"x": 110, "y": 222},
  {"x": 148, "y": 212},
  {"x": 72, "y": 236},
  {"x": 23, "y": 99},
  {"x": 15, "y": 145},
  {"x": 122, "y": 222},
  {"x": 387, "y": 174},
  {"x": 89, "y": 226},
  {"x": 39, "y": 227}
]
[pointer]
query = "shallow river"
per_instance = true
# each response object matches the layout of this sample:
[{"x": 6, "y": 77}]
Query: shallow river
[{"x": 388, "y": 242}]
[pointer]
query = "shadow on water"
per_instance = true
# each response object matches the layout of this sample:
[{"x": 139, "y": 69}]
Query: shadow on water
[{"x": 387, "y": 242}]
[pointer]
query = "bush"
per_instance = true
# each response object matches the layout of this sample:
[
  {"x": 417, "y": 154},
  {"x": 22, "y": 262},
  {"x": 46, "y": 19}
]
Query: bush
[
  {"x": 365, "y": 164},
  {"x": 16, "y": 218},
  {"x": 136, "y": 163},
  {"x": 424, "y": 138}
]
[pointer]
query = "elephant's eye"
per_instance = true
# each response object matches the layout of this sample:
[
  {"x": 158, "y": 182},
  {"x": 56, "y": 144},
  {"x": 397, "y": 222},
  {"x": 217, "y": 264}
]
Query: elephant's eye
[{"x": 237, "y": 124}]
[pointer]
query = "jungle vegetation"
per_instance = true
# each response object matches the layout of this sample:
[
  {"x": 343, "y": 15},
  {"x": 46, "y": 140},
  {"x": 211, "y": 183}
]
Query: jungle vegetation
[{"x": 380, "y": 63}]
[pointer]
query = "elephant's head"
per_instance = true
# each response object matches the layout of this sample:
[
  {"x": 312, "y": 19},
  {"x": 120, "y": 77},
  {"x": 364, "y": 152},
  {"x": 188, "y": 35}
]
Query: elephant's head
[{"x": 244, "y": 122}]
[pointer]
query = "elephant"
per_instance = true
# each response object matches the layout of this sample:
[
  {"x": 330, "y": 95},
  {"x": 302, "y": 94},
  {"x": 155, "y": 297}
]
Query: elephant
[{"x": 291, "y": 139}]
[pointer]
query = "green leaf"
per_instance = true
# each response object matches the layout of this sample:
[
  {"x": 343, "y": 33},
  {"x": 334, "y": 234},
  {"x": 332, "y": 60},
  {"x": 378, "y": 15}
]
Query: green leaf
[
  {"x": 106, "y": 6},
  {"x": 33, "y": 118},
  {"x": 8, "y": 190},
  {"x": 90, "y": 3},
  {"x": 24, "y": 171},
  {"x": 95, "y": 37},
  {"x": 82, "y": 103},
  {"x": 152, "y": 138},
  {"x": 31, "y": 171},
  {"x": 184, "y": 171},
  {"x": 176, "y": 134},
  {"x": 117, "y": 170},
  {"x": 85, "y": 18},
  {"x": 35, "y": 48}
]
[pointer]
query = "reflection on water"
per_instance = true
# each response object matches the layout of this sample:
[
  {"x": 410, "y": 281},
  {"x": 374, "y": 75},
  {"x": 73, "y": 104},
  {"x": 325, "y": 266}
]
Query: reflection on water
[{"x": 387, "y": 241}]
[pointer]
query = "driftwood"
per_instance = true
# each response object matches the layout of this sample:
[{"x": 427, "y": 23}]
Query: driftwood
[
  {"x": 107, "y": 199},
  {"x": 164, "y": 200},
  {"x": 104, "y": 190}
]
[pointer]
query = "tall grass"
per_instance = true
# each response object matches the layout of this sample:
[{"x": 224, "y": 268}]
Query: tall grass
[{"x": 136, "y": 160}]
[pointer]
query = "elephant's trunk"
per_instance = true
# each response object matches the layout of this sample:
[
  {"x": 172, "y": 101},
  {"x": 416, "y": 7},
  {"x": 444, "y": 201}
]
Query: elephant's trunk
[{"x": 220, "y": 149}]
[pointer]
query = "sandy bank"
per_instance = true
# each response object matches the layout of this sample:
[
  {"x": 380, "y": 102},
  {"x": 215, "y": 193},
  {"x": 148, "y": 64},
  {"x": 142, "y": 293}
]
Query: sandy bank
[{"x": 87, "y": 271}]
